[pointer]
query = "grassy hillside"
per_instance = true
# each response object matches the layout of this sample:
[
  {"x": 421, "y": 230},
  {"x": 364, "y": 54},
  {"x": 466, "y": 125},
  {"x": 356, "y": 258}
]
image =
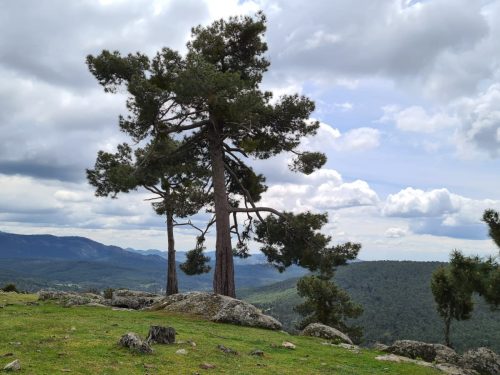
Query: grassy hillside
[
  {"x": 49, "y": 339},
  {"x": 398, "y": 304}
]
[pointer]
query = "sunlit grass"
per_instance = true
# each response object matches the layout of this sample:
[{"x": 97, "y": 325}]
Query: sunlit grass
[{"x": 50, "y": 339}]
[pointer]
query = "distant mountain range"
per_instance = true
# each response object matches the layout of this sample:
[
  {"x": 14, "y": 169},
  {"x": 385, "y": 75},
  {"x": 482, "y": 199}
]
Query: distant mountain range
[
  {"x": 180, "y": 256},
  {"x": 40, "y": 261}
]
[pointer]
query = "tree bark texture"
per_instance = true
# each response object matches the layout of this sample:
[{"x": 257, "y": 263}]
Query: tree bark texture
[
  {"x": 447, "y": 324},
  {"x": 172, "y": 287},
  {"x": 224, "y": 268}
]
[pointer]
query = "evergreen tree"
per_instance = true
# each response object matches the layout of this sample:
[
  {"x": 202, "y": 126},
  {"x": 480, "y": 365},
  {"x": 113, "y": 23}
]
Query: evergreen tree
[
  {"x": 177, "y": 184},
  {"x": 297, "y": 239},
  {"x": 211, "y": 99},
  {"x": 453, "y": 296}
]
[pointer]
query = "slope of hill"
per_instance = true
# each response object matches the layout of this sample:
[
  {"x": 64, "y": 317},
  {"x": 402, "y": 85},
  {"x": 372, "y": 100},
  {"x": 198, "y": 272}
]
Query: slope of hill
[
  {"x": 40, "y": 261},
  {"x": 397, "y": 301},
  {"x": 82, "y": 340}
]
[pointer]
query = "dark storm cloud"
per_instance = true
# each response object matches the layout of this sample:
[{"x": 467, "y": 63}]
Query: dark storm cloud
[{"x": 33, "y": 168}]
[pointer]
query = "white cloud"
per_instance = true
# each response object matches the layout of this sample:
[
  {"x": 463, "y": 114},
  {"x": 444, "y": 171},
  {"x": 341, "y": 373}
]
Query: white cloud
[
  {"x": 416, "y": 119},
  {"x": 418, "y": 203},
  {"x": 354, "y": 140},
  {"x": 344, "y": 107},
  {"x": 481, "y": 122},
  {"x": 395, "y": 232},
  {"x": 321, "y": 191}
]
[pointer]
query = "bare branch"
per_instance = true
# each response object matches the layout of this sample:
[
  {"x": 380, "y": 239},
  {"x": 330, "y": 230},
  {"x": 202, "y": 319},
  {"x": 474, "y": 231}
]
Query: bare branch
[
  {"x": 179, "y": 128},
  {"x": 256, "y": 210}
]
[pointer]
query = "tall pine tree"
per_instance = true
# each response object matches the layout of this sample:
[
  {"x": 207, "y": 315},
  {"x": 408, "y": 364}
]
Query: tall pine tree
[{"x": 211, "y": 99}]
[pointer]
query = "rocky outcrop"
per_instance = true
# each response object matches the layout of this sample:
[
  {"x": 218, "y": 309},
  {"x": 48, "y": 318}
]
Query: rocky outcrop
[
  {"x": 420, "y": 350},
  {"x": 122, "y": 298},
  {"x": 218, "y": 308},
  {"x": 483, "y": 360},
  {"x": 476, "y": 361},
  {"x": 68, "y": 299},
  {"x": 444, "y": 367},
  {"x": 326, "y": 332},
  {"x": 131, "y": 299}
]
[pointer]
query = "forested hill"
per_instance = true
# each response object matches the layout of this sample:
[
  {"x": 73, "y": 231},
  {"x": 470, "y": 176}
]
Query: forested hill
[
  {"x": 398, "y": 304},
  {"x": 39, "y": 261}
]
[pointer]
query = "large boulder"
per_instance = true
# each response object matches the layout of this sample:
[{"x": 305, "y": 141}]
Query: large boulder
[
  {"x": 326, "y": 332},
  {"x": 132, "y": 299},
  {"x": 218, "y": 308},
  {"x": 483, "y": 360},
  {"x": 420, "y": 350}
]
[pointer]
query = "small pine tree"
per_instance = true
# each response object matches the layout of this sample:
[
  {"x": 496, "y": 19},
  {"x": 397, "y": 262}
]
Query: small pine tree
[
  {"x": 325, "y": 302},
  {"x": 453, "y": 297}
]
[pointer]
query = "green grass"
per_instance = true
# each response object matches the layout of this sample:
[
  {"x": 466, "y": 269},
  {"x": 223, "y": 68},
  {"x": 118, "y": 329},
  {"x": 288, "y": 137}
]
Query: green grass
[{"x": 83, "y": 340}]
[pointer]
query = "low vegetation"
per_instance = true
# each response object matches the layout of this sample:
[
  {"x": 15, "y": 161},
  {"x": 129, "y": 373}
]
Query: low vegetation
[{"x": 48, "y": 339}]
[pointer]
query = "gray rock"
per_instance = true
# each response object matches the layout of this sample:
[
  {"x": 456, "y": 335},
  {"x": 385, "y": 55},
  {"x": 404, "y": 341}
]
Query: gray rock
[
  {"x": 132, "y": 341},
  {"x": 181, "y": 351},
  {"x": 226, "y": 350},
  {"x": 13, "y": 366},
  {"x": 420, "y": 350},
  {"x": 483, "y": 360},
  {"x": 380, "y": 346},
  {"x": 132, "y": 299},
  {"x": 326, "y": 332},
  {"x": 161, "y": 335},
  {"x": 288, "y": 345},
  {"x": 68, "y": 299},
  {"x": 218, "y": 308},
  {"x": 444, "y": 367}
]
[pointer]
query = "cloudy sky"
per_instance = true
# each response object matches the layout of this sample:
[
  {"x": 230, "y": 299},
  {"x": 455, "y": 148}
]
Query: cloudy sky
[{"x": 407, "y": 92}]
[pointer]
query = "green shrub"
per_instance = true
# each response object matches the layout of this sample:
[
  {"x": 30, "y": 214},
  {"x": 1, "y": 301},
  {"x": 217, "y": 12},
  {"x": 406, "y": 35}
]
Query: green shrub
[
  {"x": 10, "y": 288},
  {"x": 108, "y": 293}
]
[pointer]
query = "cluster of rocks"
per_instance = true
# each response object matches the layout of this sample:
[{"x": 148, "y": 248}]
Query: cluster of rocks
[
  {"x": 121, "y": 298},
  {"x": 217, "y": 308},
  {"x": 481, "y": 361}
]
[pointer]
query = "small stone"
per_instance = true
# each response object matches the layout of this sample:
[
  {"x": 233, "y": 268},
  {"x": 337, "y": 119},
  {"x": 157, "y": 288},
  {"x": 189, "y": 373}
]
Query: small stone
[
  {"x": 66, "y": 337},
  {"x": 134, "y": 342},
  {"x": 227, "y": 350},
  {"x": 15, "y": 343},
  {"x": 257, "y": 352},
  {"x": 192, "y": 343},
  {"x": 73, "y": 328},
  {"x": 207, "y": 366},
  {"x": 146, "y": 365},
  {"x": 288, "y": 345},
  {"x": 181, "y": 351},
  {"x": 13, "y": 366},
  {"x": 7, "y": 355}
]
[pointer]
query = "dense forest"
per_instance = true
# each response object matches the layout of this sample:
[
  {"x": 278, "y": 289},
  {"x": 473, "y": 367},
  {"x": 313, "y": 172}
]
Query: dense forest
[{"x": 397, "y": 301}]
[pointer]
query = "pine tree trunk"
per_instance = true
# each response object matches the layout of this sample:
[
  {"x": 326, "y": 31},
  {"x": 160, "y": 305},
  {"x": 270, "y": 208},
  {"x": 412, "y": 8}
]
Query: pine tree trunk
[
  {"x": 172, "y": 287},
  {"x": 224, "y": 268},
  {"x": 447, "y": 324}
]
